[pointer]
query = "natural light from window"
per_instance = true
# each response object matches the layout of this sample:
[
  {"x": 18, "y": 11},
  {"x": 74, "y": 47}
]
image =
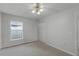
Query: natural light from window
[{"x": 16, "y": 30}]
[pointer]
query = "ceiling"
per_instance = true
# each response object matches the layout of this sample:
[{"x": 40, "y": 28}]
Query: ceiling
[{"x": 25, "y": 9}]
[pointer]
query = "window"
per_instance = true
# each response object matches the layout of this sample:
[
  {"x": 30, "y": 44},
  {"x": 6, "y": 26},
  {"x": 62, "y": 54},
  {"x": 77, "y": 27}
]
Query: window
[{"x": 16, "y": 30}]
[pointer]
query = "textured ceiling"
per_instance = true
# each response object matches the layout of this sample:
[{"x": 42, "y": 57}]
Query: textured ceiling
[{"x": 25, "y": 9}]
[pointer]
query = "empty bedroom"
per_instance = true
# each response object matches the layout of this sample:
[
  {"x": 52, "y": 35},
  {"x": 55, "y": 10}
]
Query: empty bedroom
[{"x": 39, "y": 29}]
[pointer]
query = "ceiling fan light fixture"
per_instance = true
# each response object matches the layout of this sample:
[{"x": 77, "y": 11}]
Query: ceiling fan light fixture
[
  {"x": 37, "y": 8},
  {"x": 41, "y": 10},
  {"x": 38, "y": 13},
  {"x": 33, "y": 11}
]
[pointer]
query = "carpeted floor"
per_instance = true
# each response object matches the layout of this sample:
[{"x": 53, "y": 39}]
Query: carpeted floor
[{"x": 32, "y": 49}]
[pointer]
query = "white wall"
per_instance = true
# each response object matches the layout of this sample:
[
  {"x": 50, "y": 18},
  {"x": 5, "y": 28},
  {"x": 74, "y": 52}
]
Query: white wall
[
  {"x": 59, "y": 31},
  {"x": 29, "y": 30}
]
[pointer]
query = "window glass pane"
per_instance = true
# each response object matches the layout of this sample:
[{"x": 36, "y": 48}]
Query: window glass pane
[{"x": 16, "y": 30}]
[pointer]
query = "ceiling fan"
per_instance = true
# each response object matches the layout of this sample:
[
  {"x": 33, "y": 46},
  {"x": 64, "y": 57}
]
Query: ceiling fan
[{"x": 37, "y": 8}]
